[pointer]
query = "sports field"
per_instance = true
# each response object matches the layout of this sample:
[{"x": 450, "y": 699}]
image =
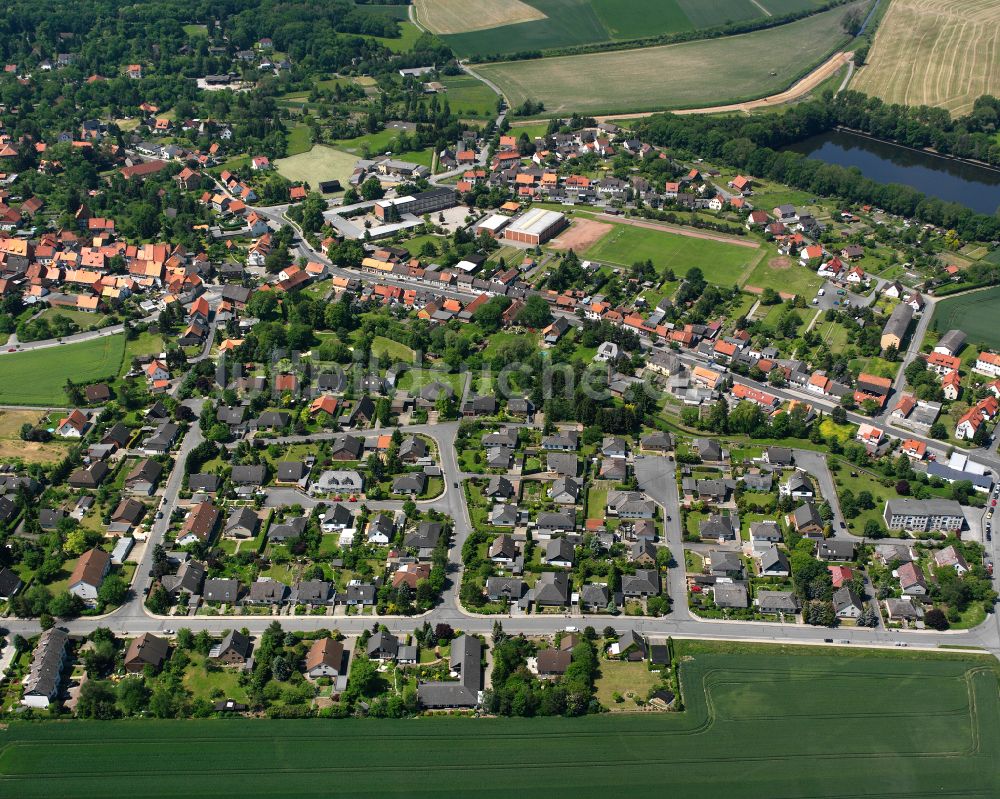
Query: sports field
[
  {"x": 975, "y": 314},
  {"x": 785, "y": 275},
  {"x": 37, "y": 377},
  {"x": 508, "y": 26},
  {"x": 935, "y": 52},
  {"x": 320, "y": 163},
  {"x": 720, "y": 262},
  {"x": 755, "y": 725},
  {"x": 701, "y": 73}
]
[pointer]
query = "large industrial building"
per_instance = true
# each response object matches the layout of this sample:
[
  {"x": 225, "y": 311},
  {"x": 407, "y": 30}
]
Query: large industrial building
[
  {"x": 535, "y": 227},
  {"x": 426, "y": 202}
]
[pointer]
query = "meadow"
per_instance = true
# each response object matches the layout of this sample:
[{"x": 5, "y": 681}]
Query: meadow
[
  {"x": 973, "y": 313},
  {"x": 37, "y": 377},
  {"x": 702, "y": 73},
  {"x": 469, "y": 97},
  {"x": 785, "y": 275},
  {"x": 319, "y": 163},
  {"x": 721, "y": 263},
  {"x": 382, "y": 142},
  {"x": 934, "y": 52},
  {"x": 763, "y": 723}
]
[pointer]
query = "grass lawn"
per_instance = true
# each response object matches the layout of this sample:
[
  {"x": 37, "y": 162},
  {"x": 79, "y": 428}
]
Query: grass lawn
[
  {"x": 143, "y": 344},
  {"x": 597, "y": 499},
  {"x": 82, "y": 319},
  {"x": 782, "y": 274},
  {"x": 748, "y": 708},
  {"x": 202, "y": 683},
  {"x": 415, "y": 379},
  {"x": 414, "y": 244},
  {"x": 875, "y": 366},
  {"x": 37, "y": 377},
  {"x": 319, "y": 163},
  {"x": 720, "y": 262},
  {"x": 844, "y": 432},
  {"x": 693, "y": 562},
  {"x": 532, "y": 129},
  {"x": 195, "y": 31},
  {"x": 299, "y": 140},
  {"x": 13, "y": 448},
  {"x": 624, "y": 678},
  {"x": 833, "y": 334},
  {"x": 864, "y": 482},
  {"x": 387, "y": 348}
]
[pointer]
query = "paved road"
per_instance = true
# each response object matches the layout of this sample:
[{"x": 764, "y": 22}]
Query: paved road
[
  {"x": 135, "y": 609},
  {"x": 815, "y": 463},
  {"x": 75, "y": 338},
  {"x": 657, "y": 476}
]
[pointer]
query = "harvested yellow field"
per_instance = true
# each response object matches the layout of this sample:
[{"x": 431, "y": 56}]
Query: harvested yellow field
[
  {"x": 942, "y": 53},
  {"x": 462, "y": 16}
]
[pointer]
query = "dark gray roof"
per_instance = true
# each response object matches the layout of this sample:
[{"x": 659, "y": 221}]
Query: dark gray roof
[
  {"x": 188, "y": 579},
  {"x": 205, "y": 481},
  {"x": 552, "y": 588},
  {"x": 594, "y": 595},
  {"x": 254, "y": 474},
  {"x": 312, "y": 591},
  {"x": 268, "y": 591},
  {"x": 899, "y": 320},
  {"x": 645, "y": 582},
  {"x": 424, "y": 537},
  {"x": 220, "y": 590}
]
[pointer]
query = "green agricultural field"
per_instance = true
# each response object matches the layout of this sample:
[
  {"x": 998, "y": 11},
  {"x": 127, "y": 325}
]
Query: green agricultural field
[
  {"x": 320, "y": 163},
  {"x": 974, "y": 313},
  {"x": 721, "y": 263},
  {"x": 780, "y": 7},
  {"x": 702, "y": 73},
  {"x": 635, "y": 20},
  {"x": 38, "y": 377},
  {"x": 469, "y": 97},
  {"x": 764, "y": 723},
  {"x": 712, "y": 13},
  {"x": 568, "y": 23}
]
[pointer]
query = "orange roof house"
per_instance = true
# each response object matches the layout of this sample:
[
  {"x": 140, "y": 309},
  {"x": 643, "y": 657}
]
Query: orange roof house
[{"x": 323, "y": 404}]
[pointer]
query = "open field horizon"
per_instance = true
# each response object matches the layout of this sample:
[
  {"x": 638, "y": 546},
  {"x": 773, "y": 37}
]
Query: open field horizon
[{"x": 755, "y": 725}]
